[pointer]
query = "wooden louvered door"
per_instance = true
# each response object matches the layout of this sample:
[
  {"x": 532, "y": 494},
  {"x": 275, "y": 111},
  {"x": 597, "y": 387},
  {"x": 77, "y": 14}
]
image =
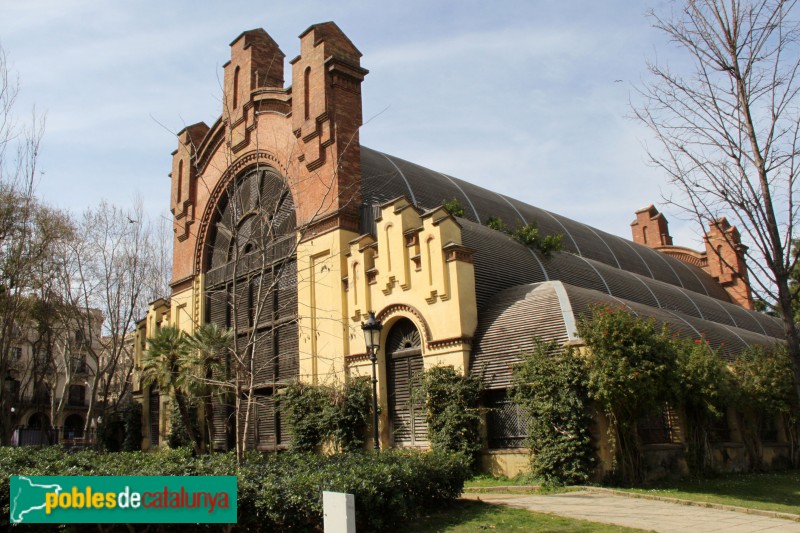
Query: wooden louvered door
[
  {"x": 405, "y": 366},
  {"x": 155, "y": 417}
]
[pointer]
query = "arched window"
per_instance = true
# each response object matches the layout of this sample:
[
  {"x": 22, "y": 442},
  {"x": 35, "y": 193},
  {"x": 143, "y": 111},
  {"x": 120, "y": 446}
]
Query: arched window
[
  {"x": 179, "y": 193},
  {"x": 236, "y": 88},
  {"x": 306, "y": 93},
  {"x": 251, "y": 283}
]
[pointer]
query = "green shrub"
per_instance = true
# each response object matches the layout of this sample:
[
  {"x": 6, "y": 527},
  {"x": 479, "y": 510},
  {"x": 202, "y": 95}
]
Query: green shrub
[
  {"x": 529, "y": 235},
  {"x": 497, "y": 225},
  {"x": 551, "y": 385},
  {"x": 705, "y": 392},
  {"x": 132, "y": 418},
  {"x": 320, "y": 414},
  {"x": 178, "y": 435},
  {"x": 453, "y": 207},
  {"x": 111, "y": 431},
  {"x": 277, "y": 492},
  {"x": 631, "y": 374},
  {"x": 451, "y": 406},
  {"x": 765, "y": 387}
]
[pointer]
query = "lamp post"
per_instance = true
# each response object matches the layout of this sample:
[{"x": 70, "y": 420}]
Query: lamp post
[{"x": 372, "y": 337}]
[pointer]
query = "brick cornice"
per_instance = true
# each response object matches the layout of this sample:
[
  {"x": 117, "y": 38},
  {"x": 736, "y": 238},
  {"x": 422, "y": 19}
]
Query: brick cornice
[{"x": 345, "y": 221}]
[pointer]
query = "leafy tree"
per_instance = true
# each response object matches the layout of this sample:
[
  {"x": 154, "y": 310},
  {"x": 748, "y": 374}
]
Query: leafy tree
[
  {"x": 706, "y": 390},
  {"x": 727, "y": 132},
  {"x": 161, "y": 366},
  {"x": 201, "y": 362},
  {"x": 764, "y": 388},
  {"x": 631, "y": 374},
  {"x": 551, "y": 384}
]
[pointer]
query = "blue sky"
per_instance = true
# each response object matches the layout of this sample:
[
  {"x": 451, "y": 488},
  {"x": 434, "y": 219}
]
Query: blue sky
[{"x": 521, "y": 97}]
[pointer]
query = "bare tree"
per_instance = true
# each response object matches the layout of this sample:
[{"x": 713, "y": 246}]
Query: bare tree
[
  {"x": 727, "y": 131},
  {"x": 109, "y": 272},
  {"x": 26, "y": 229}
]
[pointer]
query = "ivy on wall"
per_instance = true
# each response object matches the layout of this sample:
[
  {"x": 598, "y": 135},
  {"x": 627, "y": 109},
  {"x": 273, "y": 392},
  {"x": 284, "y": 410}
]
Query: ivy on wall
[
  {"x": 551, "y": 385},
  {"x": 451, "y": 404},
  {"x": 326, "y": 414},
  {"x": 631, "y": 370}
]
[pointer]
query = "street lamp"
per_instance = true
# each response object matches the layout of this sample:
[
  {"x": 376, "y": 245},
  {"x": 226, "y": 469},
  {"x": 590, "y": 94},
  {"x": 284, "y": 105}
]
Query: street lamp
[{"x": 372, "y": 337}]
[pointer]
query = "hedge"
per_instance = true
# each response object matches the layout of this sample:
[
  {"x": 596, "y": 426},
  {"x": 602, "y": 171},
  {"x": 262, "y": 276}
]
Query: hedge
[{"x": 277, "y": 492}]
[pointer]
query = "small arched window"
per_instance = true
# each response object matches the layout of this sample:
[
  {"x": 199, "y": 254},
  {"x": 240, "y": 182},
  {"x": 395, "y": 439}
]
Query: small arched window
[
  {"x": 306, "y": 93},
  {"x": 236, "y": 88},
  {"x": 179, "y": 194}
]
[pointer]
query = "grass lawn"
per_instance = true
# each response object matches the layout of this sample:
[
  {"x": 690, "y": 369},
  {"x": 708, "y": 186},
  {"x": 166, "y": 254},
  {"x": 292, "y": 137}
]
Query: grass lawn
[
  {"x": 485, "y": 480},
  {"x": 771, "y": 491},
  {"x": 469, "y": 515}
]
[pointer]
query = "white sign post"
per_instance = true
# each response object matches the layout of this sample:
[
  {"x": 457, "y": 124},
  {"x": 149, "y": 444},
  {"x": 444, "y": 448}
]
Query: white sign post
[{"x": 339, "y": 510}]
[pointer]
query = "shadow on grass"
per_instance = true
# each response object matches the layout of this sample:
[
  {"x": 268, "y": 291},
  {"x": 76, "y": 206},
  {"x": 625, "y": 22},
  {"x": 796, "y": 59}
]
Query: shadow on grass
[{"x": 775, "y": 491}]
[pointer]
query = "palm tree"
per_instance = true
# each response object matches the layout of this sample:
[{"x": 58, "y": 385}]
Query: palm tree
[
  {"x": 203, "y": 359},
  {"x": 162, "y": 365}
]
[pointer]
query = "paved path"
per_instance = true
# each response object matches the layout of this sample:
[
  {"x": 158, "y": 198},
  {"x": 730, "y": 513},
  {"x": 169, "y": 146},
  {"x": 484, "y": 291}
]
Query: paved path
[{"x": 650, "y": 515}]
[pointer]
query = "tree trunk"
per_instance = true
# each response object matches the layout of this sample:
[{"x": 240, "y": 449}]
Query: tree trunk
[{"x": 186, "y": 415}]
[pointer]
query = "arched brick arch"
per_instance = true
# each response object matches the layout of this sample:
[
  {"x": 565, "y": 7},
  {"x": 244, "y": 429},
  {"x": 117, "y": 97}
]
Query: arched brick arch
[{"x": 238, "y": 168}]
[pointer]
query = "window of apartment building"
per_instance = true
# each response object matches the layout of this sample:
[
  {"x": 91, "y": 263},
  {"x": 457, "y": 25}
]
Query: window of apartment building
[
  {"x": 13, "y": 388},
  {"x": 506, "y": 422},
  {"x": 77, "y": 394},
  {"x": 16, "y": 353},
  {"x": 42, "y": 359},
  {"x": 79, "y": 364}
]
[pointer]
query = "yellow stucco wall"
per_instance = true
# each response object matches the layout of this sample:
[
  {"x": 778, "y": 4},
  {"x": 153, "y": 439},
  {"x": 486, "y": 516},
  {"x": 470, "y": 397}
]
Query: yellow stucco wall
[
  {"x": 415, "y": 267},
  {"x": 324, "y": 334}
]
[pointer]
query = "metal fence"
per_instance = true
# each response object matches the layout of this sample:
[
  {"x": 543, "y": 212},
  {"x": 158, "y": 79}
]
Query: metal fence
[{"x": 69, "y": 438}]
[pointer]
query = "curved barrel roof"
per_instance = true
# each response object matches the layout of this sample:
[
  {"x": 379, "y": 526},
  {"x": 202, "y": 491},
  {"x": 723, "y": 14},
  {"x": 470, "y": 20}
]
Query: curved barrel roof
[
  {"x": 385, "y": 177},
  {"x": 501, "y": 262},
  {"x": 554, "y": 308}
]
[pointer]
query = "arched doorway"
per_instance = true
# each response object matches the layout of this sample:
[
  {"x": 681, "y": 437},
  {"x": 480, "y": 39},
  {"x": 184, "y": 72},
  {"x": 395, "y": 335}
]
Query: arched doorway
[
  {"x": 251, "y": 287},
  {"x": 73, "y": 427},
  {"x": 404, "y": 368},
  {"x": 39, "y": 421}
]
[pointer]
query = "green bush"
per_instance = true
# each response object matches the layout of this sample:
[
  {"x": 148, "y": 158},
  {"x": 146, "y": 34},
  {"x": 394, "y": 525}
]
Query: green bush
[
  {"x": 178, "y": 434},
  {"x": 551, "y": 385},
  {"x": 451, "y": 406},
  {"x": 132, "y": 418},
  {"x": 320, "y": 414},
  {"x": 278, "y": 492},
  {"x": 705, "y": 392},
  {"x": 631, "y": 375},
  {"x": 528, "y": 234},
  {"x": 453, "y": 207}
]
